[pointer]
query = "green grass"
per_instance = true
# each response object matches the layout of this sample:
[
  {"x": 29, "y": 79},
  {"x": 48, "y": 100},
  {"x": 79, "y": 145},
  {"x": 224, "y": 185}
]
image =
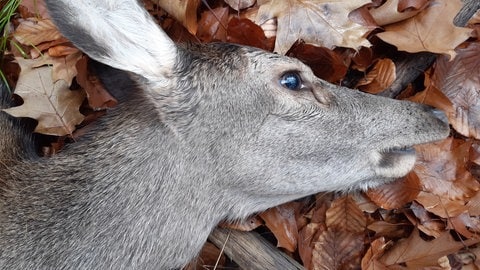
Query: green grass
[{"x": 8, "y": 9}]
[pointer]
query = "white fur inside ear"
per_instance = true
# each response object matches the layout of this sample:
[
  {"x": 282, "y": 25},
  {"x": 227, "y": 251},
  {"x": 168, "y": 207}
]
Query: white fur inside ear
[{"x": 131, "y": 39}]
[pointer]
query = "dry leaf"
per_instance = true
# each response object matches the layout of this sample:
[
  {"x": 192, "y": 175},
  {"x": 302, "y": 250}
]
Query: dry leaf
[
  {"x": 325, "y": 63},
  {"x": 184, "y": 11},
  {"x": 318, "y": 22},
  {"x": 426, "y": 222},
  {"x": 379, "y": 78},
  {"x": 465, "y": 225},
  {"x": 345, "y": 215},
  {"x": 417, "y": 253},
  {"x": 208, "y": 257},
  {"x": 245, "y": 32},
  {"x": 370, "y": 260},
  {"x": 393, "y": 11},
  {"x": 434, "y": 97},
  {"x": 442, "y": 169},
  {"x": 212, "y": 25},
  {"x": 98, "y": 97},
  {"x": 63, "y": 68},
  {"x": 337, "y": 249},
  {"x": 281, "y": 220},
  {"x": 36, "y": 7},
  {"x": 53, "y": 105},
  {"x": 431, "y": 30},
  {"x": 35, "y": 31},
  {"x": 459, "y": 80},
  {"x": 240, "y": 4},
  {"x": 307, "y": 237},
  {"x": 396, "y": 194},
  {"x": 441, "y": 206}
]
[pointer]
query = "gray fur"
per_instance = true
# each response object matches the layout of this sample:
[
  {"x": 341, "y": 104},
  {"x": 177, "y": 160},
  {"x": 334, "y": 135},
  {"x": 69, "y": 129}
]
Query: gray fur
[{"x": 219, "y": 138}]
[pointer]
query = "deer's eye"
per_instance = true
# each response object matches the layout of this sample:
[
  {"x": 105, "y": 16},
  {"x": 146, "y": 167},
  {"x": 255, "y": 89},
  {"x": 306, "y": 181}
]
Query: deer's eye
[{"x": 291, "y": 81}]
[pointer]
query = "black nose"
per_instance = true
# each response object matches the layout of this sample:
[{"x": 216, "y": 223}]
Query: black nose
[{"x": 440, "y": 115}]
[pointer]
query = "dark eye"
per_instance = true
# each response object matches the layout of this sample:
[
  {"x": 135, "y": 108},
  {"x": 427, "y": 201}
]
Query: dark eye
[{"x": 291, "y": 81}]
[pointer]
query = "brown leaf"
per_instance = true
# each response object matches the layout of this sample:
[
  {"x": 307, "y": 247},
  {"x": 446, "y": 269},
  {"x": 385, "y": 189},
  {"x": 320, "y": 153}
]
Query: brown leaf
[
  {"x": 320, "y": 23},
  {"x": 440, "y": 205},
  {"x": 245, "y": 32},
  {"x": 442, "y": 169},
  {"x": 460, "y": 82},
  {"x": 208, "y": 257},
  {"x": 307, "y": 237},
  {"x": 325, "y": 63},
  {"x": 36, "y": 7},
  {"x": 51, "y": 103},
  {"x": 393, "y": 11},
  {"x": 387, "y": 229},
  {"x": 246, "y": 225},
  {"x": 281, "y": 220},
  {"x": 344, "y": 214},
  {"x": 466, "y": 225},
  {"x": 426, "y": 222},
  {"x": 35, "y": 31},
  {"x": 434, "y": 97},
  {"x": 376, "y": 250},
  {"x": 431, "y": 30},
  {"x": 396, "y": 194},
  {"x": 184, "y": 11},
  {"x": 337, "y": 249},
  {"x": 213, "y": 25},
  {"x": 417, "y": 253},
  {"x": 363, "y": 59},
  {"x": 240, "y": 4},
  {"x": 63, "y": 68},
  {"x": 380, "y": 77},
  {"x": 98, "y": 97}
]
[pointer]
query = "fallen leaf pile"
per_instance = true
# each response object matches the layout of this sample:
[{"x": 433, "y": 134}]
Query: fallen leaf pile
[{"x": 429, "y": 219}]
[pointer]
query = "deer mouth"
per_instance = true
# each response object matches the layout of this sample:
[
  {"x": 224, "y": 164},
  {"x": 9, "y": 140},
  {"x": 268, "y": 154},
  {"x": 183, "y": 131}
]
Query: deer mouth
[{"x": 394, "y": 162}]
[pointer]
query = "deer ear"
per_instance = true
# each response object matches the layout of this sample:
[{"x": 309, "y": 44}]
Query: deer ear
[{"x": 119, "y": 33}]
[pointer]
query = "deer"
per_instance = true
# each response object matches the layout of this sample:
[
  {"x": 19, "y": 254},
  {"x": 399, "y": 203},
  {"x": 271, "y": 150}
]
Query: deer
[{"x": 202, "y": 133}]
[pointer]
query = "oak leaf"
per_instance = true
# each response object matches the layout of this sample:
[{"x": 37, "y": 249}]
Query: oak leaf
[
  {"x": 63, "y": 68},
  {"x": 321, "y": 23},
  {"x": 51, "y": 103},
  {"x": 393, "y": 11},
  {"x": 431, "y": 30}
]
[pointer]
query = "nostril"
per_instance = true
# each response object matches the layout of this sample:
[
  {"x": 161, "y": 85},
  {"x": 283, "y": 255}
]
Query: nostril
[{"x": 440, "y": 115}]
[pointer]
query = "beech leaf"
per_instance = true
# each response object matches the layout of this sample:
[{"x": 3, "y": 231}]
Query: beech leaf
[
  {"x": 459, "y": 80},
  {"x": 417, "y": 253},
  {"x": 34, "y": 31},
  {"x": 442, "y": 169},
  {"x": 337, "y": 249},
  {"x": 344, "y": 214},
  {"x": 281, "y": 220}
]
